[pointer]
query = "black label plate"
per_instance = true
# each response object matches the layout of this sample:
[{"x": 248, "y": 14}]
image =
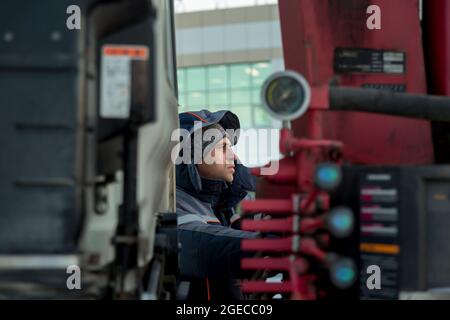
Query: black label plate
[{"x": 347, "y": 60}]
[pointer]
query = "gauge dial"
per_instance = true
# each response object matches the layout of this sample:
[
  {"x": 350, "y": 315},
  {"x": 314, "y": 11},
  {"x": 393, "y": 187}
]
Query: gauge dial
[{"x": 286, "y": 95}]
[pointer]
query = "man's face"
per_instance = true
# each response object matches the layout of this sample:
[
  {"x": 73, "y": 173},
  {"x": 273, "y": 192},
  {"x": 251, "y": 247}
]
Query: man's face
[{"x": 218, "y": 163}]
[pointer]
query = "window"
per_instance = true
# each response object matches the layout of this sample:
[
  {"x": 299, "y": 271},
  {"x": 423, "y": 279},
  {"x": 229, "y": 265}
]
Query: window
[
  {"x": 217, "y": 77},
  {"x": 196, "y": 79},
  {"x": 234, "y": 87},
  {"x": 218, "y": 99},
  {"x": 240, "y": 76},
  {"x": 239, "y": 97},
  {"x": 196, "y": 99},
  {"x": 181, "y": 81},
  {"x": 260, "y": 71}
]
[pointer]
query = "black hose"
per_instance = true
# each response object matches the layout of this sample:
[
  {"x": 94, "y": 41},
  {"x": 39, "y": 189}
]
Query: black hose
[{"x": 428, "y": 107}]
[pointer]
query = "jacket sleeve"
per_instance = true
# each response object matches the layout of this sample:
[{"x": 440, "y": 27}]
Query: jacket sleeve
[{"x": 209, "y": 250}]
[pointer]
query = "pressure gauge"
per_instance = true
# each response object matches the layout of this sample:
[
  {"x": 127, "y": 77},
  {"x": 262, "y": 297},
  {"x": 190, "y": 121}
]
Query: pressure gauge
[{"x": 286, "y": 95}]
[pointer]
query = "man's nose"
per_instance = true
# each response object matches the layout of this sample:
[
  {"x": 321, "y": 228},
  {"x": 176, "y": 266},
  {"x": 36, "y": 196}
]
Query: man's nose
[{"x": 231, "y": 155}]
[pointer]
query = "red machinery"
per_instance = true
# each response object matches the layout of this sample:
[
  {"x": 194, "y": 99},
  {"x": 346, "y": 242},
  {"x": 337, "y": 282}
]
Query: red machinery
[
  {"x": 314, "y": 31},
  {"x": 329, "y": 43}
]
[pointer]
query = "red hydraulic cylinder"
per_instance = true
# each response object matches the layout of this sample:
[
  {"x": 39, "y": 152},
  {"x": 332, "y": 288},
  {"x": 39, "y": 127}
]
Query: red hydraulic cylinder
[
  {"x": 268, "y": 206},
  {"x": 292, "y": 224},
  {"x": 284, "y": 263},
  {"x": 261, "y": 286},
  {"x": 286, "y": 245}
]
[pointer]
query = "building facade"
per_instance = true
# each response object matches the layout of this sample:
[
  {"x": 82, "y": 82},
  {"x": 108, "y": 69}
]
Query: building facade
[{"x": 223, "y": 57}]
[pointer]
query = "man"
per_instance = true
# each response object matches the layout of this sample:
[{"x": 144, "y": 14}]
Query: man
[{"x": 207, "y": 191}]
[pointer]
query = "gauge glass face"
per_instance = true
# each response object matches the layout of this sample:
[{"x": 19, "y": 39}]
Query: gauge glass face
[{"x": 285, "y": 95}]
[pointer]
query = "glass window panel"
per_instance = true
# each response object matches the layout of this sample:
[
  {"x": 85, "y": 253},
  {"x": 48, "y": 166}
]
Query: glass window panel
[
  {"x": 180, "y": 79},
  {"x": 260, "y": 72},
  {"x": 196, "y": 79},
  {"x": 240, "y": 76},
  {"x": 244, "y": 114},
  {"x": 218, "y": 98},
  {"x": 240, "y": 97},
  {"x": 196, "y": 99},
  {"x": 262, "y": 118},
  {"x": 256, "y": 96},
  {"x": 217, "y": 77},
  {"x": 217, "y": 108},
  {"x": 182, "y": 100}
]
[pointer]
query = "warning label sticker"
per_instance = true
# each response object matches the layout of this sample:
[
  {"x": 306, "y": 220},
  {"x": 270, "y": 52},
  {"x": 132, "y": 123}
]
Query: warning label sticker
[{"x": 115, "y": 83}]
